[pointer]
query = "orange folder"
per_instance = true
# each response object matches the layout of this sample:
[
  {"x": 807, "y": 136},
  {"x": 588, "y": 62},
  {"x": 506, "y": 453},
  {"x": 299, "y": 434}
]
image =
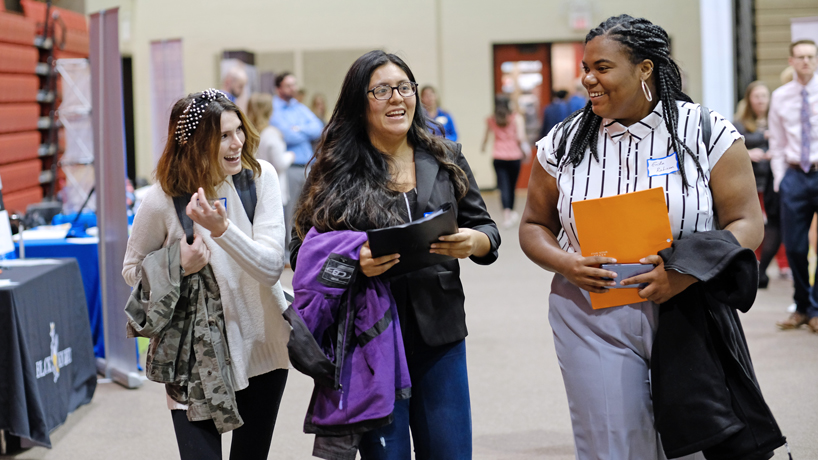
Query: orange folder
[{"x": 626, "y": 227}]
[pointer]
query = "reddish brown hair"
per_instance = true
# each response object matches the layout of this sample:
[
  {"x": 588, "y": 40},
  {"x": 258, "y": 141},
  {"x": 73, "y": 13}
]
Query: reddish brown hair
[{"x": 183, "y": 168}]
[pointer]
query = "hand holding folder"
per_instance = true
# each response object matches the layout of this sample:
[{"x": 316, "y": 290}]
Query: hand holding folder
[
  {"x": 625, "y": 227},
  {"x": 413, "y": 240}
]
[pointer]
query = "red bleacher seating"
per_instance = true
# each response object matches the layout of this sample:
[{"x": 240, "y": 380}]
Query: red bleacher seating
[
  {"x": 20, "y": 175},
  {"x": 17, "y": 202},
  {"x": 18, "y": 58},
  {"x": 19, "y": 117},
  {"x": 18, "y": 88},
  {"x": 16, "y": 29},
  {"x": 19, "y": 146}
]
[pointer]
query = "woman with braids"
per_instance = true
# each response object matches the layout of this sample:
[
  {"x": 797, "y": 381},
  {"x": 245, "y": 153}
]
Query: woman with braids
[
  {"x": 377, "y": 166},
  {"x": 210, "y": 149},
  {"x": 637, "y": 112}
]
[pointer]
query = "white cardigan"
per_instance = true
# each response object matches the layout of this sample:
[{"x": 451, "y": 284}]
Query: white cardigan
[
  {"x": 272, "y": 148},
  {"x": 247, "y": 261}
]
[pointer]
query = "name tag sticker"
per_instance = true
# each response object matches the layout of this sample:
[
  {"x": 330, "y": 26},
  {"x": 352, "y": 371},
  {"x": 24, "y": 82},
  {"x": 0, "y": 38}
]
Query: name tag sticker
[{"x": 663, "y": 166}]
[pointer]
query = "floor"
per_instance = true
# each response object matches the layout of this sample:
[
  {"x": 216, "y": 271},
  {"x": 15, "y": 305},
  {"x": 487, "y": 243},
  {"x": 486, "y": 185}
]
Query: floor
[{"x": 518, "y": 399}]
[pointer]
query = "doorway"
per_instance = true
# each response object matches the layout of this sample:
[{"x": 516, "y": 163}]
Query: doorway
[{"x": 529, "y": 73}]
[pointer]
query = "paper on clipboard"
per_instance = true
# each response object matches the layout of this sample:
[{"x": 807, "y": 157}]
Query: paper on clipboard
[{"x": 626, "y": 227}]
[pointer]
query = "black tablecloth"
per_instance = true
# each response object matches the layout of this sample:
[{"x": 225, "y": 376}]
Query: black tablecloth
[{"x": 43, "y": 322}]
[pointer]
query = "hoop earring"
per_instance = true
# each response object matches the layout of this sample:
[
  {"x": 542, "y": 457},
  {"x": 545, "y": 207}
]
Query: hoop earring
[{"x": 646, "y": 91}]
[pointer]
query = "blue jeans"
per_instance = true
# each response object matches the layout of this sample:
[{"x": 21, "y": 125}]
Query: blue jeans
[
  {"x": 799, "y": 202},
  {"x": 438, "y": 413}
]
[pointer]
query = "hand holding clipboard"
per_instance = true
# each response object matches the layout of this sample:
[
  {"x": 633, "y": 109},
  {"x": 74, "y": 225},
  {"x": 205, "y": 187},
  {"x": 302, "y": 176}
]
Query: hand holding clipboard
[
  {"x": 627, "y": 227},
  {"x": 413, "y": 241}
]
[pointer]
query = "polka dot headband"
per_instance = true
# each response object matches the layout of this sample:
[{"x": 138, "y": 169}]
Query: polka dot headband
[{"x": 193, "y": 113}]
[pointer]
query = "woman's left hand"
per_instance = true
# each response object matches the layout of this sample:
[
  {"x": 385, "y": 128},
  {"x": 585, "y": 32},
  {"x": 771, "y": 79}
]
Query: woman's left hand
[
  {"x": 461, "y": 244},
  {"x": 213, "y": 218},
  {"x": 662, "y": 284}
]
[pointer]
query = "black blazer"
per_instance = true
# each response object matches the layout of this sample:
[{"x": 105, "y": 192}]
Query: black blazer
[{"x": 435, "y": 294}]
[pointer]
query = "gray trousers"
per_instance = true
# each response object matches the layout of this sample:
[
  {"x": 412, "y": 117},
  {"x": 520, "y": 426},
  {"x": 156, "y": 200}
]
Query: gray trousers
[
  {"x": 296, "y": 176},
  {"x": 605, "y": 357}
]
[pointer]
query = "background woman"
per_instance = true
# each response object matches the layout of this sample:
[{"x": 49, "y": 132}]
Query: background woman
[
  {"x": 271, "y": 145},
  {"x": 428, "y": 96},
  {"x": 377, "y": 166},
  {"x": 751, "y": 122},
  {"x": 319, "y": 106},
  {"x": 637, "y": 111},
  {"x": 509, "y": 149},
  {"x": 247, "y": 259}
]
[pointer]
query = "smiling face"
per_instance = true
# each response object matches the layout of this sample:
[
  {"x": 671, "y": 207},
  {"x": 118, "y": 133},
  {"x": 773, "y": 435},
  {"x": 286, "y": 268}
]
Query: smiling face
[
  {"x": 388, "y": 121},
  {"x": 614, "y": 84},
  {"x": 230, "y": 143}
]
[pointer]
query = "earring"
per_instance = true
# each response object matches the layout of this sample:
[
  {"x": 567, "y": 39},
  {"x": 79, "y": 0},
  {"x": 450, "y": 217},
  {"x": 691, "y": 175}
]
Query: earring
[{"x": 646, "y": 91}]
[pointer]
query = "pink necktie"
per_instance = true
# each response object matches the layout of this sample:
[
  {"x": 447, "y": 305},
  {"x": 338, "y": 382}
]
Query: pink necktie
[{"x": 806, "y": 128}]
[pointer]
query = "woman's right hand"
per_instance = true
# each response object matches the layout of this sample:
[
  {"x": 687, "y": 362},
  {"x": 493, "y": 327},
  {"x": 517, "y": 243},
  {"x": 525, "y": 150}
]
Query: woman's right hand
[
  {"x": 377, "y": 266},
  {"x": 584, "y": 272},
  {"x": 194, "y": 256}
]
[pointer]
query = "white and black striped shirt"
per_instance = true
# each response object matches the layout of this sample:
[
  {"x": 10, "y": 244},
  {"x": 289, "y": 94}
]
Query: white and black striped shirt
[{"x": 623, "y": 167}]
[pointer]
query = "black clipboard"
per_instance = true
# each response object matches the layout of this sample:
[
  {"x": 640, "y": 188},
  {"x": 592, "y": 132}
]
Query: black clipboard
[{"x": 413, "y": 240}]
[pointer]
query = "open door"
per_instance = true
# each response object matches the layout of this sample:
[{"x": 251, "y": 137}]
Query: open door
[
  {"x": 528, "y": 73},
  {"x": 524, "y": 73}
]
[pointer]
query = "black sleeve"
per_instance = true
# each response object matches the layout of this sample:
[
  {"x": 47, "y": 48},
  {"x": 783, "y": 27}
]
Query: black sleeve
[
  {"x": 472, "y": 213},
  {"x": 295, "y": 246}
]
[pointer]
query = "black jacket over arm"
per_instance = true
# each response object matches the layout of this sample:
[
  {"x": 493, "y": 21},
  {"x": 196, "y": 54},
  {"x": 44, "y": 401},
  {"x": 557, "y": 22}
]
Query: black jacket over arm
[
  {"x": 435, "y": 294},
  {"x": 705, "y": 393}
]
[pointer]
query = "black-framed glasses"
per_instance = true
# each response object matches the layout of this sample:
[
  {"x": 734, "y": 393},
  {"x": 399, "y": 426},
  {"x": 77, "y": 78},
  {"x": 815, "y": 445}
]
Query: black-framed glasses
[{"x": 384, "y": 92}]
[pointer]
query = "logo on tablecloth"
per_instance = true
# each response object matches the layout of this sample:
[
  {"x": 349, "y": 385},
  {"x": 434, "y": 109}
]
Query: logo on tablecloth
[{"x": 58, "y": 359}]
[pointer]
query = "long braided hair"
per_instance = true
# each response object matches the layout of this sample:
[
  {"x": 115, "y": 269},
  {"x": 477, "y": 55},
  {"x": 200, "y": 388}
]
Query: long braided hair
[{"x": 643, "y": 40}]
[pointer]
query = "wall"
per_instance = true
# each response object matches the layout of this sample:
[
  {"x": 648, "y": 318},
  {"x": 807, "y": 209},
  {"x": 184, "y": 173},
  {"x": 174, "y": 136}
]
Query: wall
[
  {"x": 447, "y": 43},
  {"x": 773, "y": 35}
]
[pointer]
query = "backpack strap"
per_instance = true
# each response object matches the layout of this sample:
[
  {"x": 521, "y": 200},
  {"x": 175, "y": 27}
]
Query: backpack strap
[
  {"x": 706, "y": 127},
  {"x": 246, "y": 188},
  {"x": 180, "y": 203}
]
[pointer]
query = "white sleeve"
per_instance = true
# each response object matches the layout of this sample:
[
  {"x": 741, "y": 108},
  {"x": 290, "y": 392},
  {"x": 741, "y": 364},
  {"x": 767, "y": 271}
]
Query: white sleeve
[
  {"x": 278, "y": 151},
  {"x": 778, "y": 141},
  {"x": 148, "y": 233},
  {"x": 547, "y": 149},
  {"x": 722, "y": 135},
  {"x": 262, "y": 255}
]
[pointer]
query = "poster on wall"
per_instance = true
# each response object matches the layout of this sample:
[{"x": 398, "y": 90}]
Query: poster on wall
[
  {"x": 167, "y": 87},
  {"x": 804, "y": 28}
]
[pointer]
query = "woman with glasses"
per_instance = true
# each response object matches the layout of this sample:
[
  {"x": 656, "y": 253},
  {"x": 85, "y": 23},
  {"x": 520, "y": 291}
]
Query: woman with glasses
[
  {"x": 378, "y": 166},
  {"x": 751, "y": 122}
]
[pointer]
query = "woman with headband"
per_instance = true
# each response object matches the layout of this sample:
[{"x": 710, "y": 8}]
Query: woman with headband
[{"x": 234, "y": 252}]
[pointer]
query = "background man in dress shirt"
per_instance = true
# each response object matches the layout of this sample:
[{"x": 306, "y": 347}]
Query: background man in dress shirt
[
  {"x": 793, "y": 131},
  {"x": 300, "y": 127},
  {"x": 234, "y": 82}
]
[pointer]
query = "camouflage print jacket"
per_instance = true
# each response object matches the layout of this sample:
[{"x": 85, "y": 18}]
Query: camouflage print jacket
[{"x": 188, "y": 351}]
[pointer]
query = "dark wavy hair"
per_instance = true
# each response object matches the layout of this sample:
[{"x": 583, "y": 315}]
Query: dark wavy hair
[
  {"x": 183, "y": 168},
  {"x": 642, "y": 40},
  {"x": 350, "y": 185}
]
